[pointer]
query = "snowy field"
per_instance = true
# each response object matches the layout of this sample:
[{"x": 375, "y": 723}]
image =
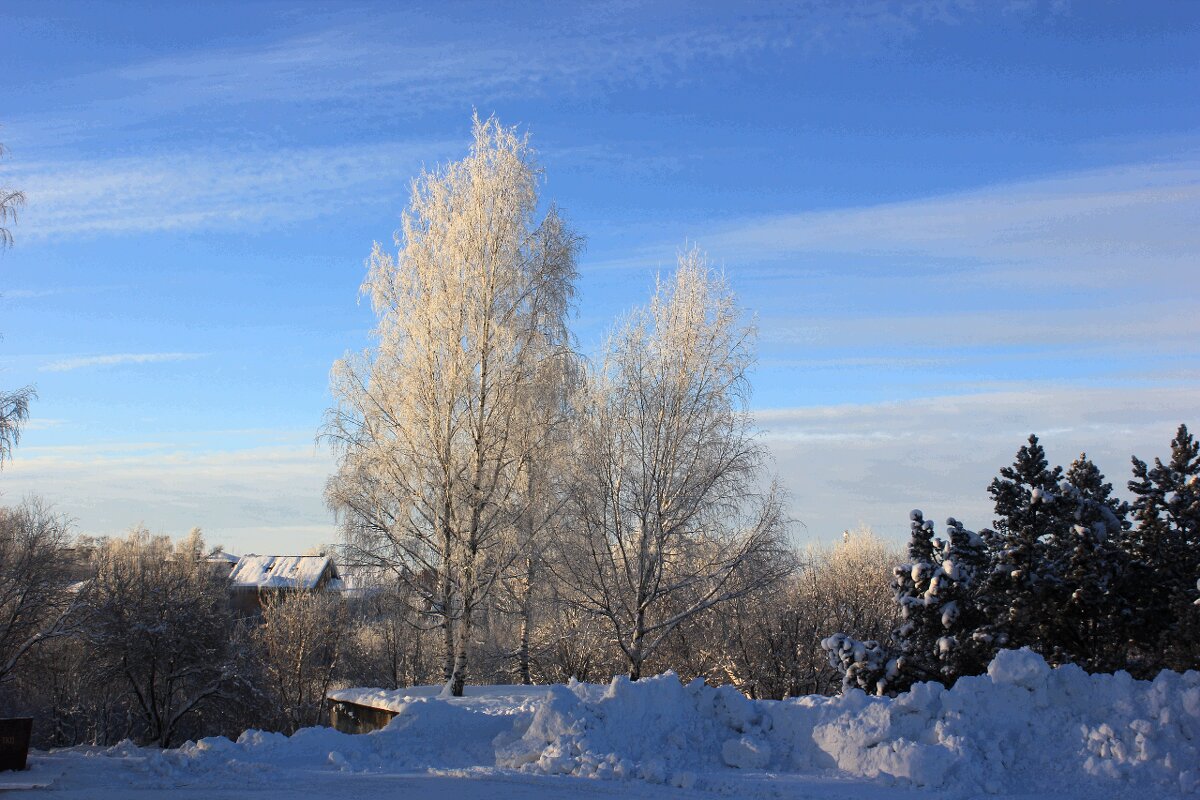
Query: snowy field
[{"x": 1022, "y": 730}]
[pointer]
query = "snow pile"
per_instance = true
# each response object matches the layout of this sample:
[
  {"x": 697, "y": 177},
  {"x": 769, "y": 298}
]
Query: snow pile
[
  {"x": 1022, "y": 727},
  {"x": 655, "y": 729}
]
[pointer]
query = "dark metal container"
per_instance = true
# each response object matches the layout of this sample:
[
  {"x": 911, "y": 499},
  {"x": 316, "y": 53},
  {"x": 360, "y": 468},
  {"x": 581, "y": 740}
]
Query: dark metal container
[{"x": 14, "y": 742}]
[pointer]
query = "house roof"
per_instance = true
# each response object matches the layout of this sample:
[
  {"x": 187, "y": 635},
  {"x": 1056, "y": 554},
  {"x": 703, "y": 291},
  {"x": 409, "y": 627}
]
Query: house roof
[{"x": 281, "y": 572}]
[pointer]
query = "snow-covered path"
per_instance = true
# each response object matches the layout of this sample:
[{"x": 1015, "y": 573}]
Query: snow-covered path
[{"x": 73, "y": 776}]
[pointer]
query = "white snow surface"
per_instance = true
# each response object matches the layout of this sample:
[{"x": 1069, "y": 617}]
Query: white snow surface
[{"x": 1023, "y": 729}]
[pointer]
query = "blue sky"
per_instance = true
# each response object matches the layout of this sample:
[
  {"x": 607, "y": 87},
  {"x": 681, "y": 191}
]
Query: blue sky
[{"x": 956, "y": 223}]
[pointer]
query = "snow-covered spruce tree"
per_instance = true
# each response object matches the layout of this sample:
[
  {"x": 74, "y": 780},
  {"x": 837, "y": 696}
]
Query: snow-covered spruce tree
[
  {"x": 943, "y": 633},
  {"x": 667, "y": 507},
  {"x": 432, "y": 427},
  {"x": 1164, "y": 548},
  {"x": 1020, "y": 594},
  {"x": 865, "y": 665},
  {"x": 915, "y": 638},
  {"x": 1090, "y": 611}
]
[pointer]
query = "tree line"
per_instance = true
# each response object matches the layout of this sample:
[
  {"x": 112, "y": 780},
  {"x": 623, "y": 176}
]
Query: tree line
[{"x": 135, "y": 637}]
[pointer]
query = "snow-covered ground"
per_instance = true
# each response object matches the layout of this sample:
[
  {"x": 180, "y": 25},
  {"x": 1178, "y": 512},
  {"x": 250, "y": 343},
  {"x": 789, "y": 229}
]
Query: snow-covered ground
[{"x": 1021, "y": 730}]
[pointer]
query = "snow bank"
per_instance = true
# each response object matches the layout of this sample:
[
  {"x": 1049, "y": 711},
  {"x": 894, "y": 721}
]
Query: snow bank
[{"x": 1022, "y": 727}]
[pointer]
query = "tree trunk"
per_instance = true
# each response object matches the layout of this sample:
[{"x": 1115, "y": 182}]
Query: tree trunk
[
  {"x": 458, "y": 679},
  {"x": 447, "y": 598},
  {"x": 448, "y": 659},
  {"x": 635, "y": 650},
  {"x": 523, "y": 647}
]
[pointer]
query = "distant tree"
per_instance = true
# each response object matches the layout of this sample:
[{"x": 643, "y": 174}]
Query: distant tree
[
  {"x": 669, "y": 516},
  {"x": 300, "y": 646},
  {"x": 37, "y": 603},
  {"x": 386, "y": 645},
  {"x": 433, "y": 430},
  {"x": 14, "y": 411},
  {"x": 161, "y": 627},
  {"x": 768, "y": 644}
]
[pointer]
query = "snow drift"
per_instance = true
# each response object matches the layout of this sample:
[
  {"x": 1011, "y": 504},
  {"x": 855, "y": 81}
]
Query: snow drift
[{"x": 1023, "y": 727}]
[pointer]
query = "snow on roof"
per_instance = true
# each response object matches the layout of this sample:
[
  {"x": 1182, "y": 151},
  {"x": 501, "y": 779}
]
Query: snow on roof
[
  {"x": 220, "y": 556},
  {"x": 498, "y": 699},
  {"x": 280, "y": 572}
]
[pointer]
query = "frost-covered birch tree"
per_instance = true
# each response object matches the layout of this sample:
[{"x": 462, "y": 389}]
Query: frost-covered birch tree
[
  {"x": 14, "y": 405},
  {"x": 671, "y": 515},
  {"x": 10, "y": 200},
  {"x": 432, "y": 426}
]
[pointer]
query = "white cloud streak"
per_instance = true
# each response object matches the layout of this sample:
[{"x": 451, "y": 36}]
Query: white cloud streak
[
  {"x": 214, "y": 189},
  {"x": 846, "y": 464},
  {"x": 264, "y": 499},
  {"x": 116, "y": 360},
  {"x": 1118, "y": 327},
  {"x": 843, "y": 464},
  {"x": 494, "y": 57},
  {"x": 1089, "y": 228}
]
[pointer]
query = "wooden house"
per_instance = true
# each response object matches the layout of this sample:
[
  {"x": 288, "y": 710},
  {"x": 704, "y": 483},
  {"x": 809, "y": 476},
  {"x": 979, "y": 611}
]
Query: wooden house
[{"x": 255, "y": 577}]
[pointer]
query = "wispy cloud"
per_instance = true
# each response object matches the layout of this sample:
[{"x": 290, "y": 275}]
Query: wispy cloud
[
  {"x": 27, "y": 294},
  {"x": 267, "y": 498},
  {"x": 874, "y": 462},
  {"x": 1094, "y": 258},
  {"x": 215, "y": 189},
  {"x": 1122, "y": 327},
  {"x": 1089, "y": 228},
  {"x": 116, "y": 359},
  {"x": 409, "y": 65},
  {"x": 497, "y": 56}
]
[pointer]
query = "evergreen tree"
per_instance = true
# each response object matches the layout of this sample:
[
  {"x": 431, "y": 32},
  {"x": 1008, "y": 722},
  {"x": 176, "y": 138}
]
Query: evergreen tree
[
  {"x": 944, "y": 634},
  {"x": 916, "y": 637},
  {"x": 1092, "y": 609},
  {"x": 1164, "y": 549},
  {"x": 1022, "y": 581},
  {"x": 968, "y": 641}
]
